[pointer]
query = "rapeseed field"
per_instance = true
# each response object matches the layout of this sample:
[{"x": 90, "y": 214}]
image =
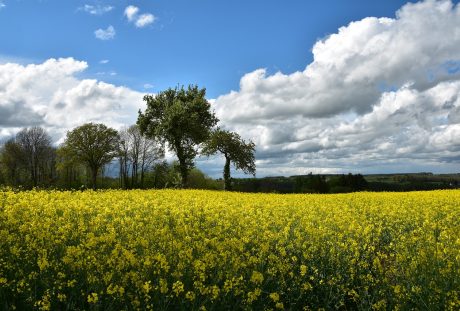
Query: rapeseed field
[{"x": 204, "y": 250}]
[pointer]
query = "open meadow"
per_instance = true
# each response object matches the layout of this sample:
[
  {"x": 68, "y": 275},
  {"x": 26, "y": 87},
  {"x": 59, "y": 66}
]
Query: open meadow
[{"x": 188, "y": 249}]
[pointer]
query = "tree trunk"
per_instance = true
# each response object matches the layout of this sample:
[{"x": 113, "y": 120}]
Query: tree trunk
[
  {"x": 182, "y": 166},
  {"x": 183, "y": 173},
  {"x": 227, "y": 178},
  {"x": 94, "y": 177},
  {"x": 120, "y": 173},
  {"x": 33, "y": 173},
  {"x": 142, "y": 178}
]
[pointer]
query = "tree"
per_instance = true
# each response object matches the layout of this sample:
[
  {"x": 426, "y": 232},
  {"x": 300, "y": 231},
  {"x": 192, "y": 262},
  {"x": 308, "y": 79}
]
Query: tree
[
  {"x": 94, "y": 145},
  {"x": 136, "y": 155},
  {"x": 29, "y": 159},
  {"x": 235, "y": 150},
  {"x": 123, "y": 157},
  {"x": 36, "y": 149},
  {"x": 182, "y": 119},
  {"x": 71, "y": 172},
  {"x": 10, "y": 158}
]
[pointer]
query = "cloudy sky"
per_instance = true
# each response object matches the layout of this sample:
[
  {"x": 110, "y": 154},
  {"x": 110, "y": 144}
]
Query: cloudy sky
[{"x": 320, "y": 86}]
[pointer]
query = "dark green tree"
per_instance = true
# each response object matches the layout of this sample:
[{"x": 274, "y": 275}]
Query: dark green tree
[
  {"x": 235, "y": 150},
  {"x": 94, "y": 145},
  {"x": 183, "y": 119},
  {"x": 12, "y": 163}
]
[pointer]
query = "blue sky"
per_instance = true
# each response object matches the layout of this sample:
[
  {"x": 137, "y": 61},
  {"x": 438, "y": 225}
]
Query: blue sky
[
  {"x": 319, "y": 86},
  {"x": 209, "y": 43}
]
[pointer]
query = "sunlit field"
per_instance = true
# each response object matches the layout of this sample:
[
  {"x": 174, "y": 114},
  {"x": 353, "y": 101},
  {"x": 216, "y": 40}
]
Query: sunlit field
[{"x": 174, "y": 249}]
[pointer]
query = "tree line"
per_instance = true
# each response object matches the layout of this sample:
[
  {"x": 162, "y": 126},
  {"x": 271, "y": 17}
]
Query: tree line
[{"x": 178, "y": 119}]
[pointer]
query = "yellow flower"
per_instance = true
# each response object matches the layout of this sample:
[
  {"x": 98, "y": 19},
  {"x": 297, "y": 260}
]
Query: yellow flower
[
  {"x": 178, "y": 288},
  {"x": 257, "y": 277},
  {"x": 190, "y": 296},
  {"x": 163, "y": 286},
  {"x": 303, "y": 270},
  {"x": 61, "y": 297},
  {"x": 275, "y": 297},
  {"x": 93, "y": 298},
  {"x": 147, "y": 287}
]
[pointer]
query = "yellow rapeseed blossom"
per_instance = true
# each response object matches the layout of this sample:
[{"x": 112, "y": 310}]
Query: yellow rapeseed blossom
[
  {"x": 257, "y": 277},
  {"x": 178, "y": 288},
  {"x": 93, "y": 298},
  {"x": 303, "y": 270},
  {"x": 189, "y": 250},
  {"x": 275, "y": 297},
  {"x": 190, "y": 295}
]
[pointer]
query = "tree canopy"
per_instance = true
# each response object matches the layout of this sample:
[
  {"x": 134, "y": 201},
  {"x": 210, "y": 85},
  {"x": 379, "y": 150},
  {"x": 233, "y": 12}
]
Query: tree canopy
[
  {"x": 92, "y": 144},
  {"x": 235, "y": 150},
  {"x": 183, "y": 119}
]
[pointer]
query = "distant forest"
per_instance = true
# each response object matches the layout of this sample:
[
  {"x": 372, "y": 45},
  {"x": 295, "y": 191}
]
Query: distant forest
[{"x": 343, "y": 183}]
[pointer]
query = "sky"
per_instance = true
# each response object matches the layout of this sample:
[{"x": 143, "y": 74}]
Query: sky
[{"x": 319, "y": 86}]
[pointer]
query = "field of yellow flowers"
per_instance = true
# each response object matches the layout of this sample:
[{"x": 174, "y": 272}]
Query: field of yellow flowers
[{"x": 185, "y": 249}]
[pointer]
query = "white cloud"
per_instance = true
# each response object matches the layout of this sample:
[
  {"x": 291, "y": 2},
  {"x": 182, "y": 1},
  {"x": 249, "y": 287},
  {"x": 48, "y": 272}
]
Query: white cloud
[
  {"x": 2, "y": 4},
  {"x": 107, "y": 34},
  {"x": 148, "y": 86},
  {"x": 379, "y": 92},
  {"x": 104, "y": 61},
  {"x": 96, "y": 9},
  {"x": 131, "y": 12},
  {"x": 144, "y": 20},
  {"x": 140, "y": 21},
  {"x": 29, "y": 95}
]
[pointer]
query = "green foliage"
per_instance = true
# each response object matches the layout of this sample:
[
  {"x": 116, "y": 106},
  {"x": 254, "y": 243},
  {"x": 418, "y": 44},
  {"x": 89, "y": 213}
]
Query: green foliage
[
  {"x": 11, "y": 163},
  {"x": 72, "y": 174},
  {"x": 199, "y": 180},
  {"x": 235, "y": 150},
  {"x": 311, "y": 184},
  {"x": 347, "y": 183},
  {"x": 182, "y": 118},
  {"x": 167, "y": 175},
  {"x": 91, "y": 144},
  {"x": 157, "y": 176}
]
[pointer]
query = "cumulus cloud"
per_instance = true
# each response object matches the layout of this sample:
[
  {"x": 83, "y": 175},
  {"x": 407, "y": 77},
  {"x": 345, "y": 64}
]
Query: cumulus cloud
[
  {"x": 29, "y": 95},
  {"x": 106, "y": 34},
  {"x": 144, "y": 20},
  {"x": 131, "y": 12},
  {"x": 379, "y": 91},
  {"x": 140, "y": 21},
  {"x": 96, "y": 9}
]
